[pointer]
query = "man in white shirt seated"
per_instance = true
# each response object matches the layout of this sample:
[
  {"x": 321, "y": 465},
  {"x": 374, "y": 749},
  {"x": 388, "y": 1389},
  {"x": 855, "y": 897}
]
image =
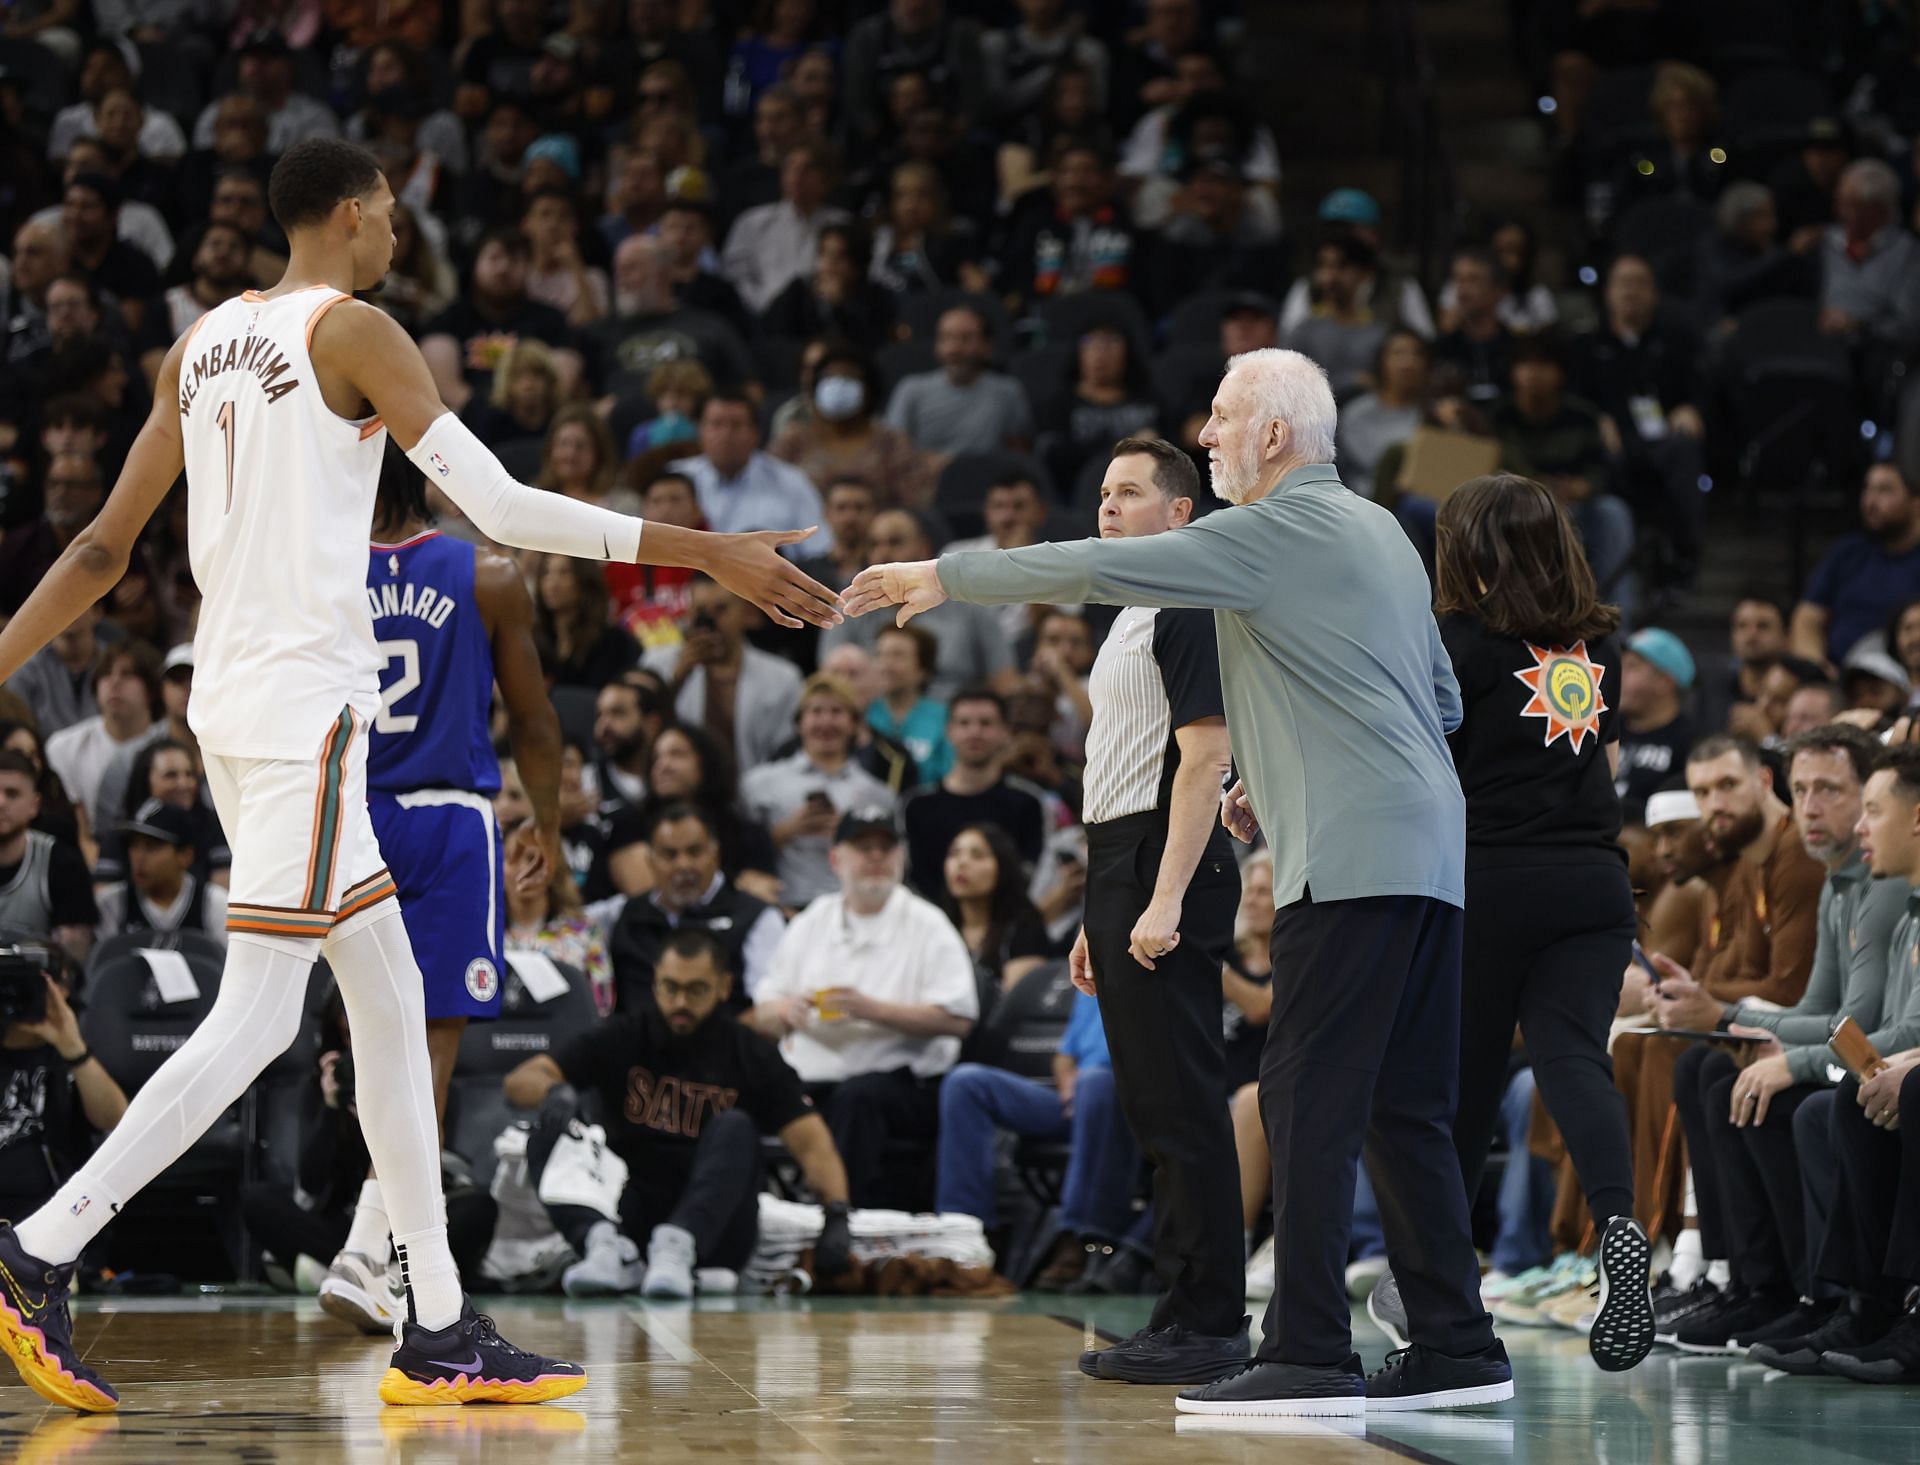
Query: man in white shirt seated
[
  {"x": 869, "y": 995},
  {"x": 126, "y": 688}
]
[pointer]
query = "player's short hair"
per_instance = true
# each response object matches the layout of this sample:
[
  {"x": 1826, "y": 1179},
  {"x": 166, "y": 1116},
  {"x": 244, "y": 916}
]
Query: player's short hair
[
  {"x": 314, "y": 176},
  {"x": 676, "y": 810},
  {"x": 1903, "y": 760},
  {"x": 1173, "y": 471},
  {"x": 690, "y": 943},
  {"x": 1718, "y": 745}
]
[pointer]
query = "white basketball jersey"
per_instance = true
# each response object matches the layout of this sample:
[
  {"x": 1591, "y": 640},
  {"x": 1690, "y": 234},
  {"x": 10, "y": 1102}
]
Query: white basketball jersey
[{"x": 280, "y": 495}]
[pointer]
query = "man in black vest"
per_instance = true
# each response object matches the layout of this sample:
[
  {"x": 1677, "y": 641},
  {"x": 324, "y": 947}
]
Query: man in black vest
[
  {"x": 161, "y": 892},
  {"x": 690, "y": 893}
]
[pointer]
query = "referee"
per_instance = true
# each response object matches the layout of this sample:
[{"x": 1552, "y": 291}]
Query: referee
[{"x": 1162, "y": 888}]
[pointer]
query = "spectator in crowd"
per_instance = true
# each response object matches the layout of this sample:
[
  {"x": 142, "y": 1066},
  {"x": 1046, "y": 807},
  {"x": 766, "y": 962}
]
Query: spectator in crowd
[
  {"x": 844, "y": 436},
  {"x": 1394, "y": 295},
  {"x": 1105, "y": 396},
  {"x": 1685, "y": 107},
  {"x": 393, "y": 73},
  {"x": 468, "y": 340},
  {"x": 850, "y": 506},
  {"x": 1209, "y": 125},
  {"x": 913, "y": 35},
  {"x": 1864, "y": 575},
  {"x": 837, "y": 299},
  {"x": 1811, "y": 706},
  {"x": 628, "y": 716},
  {"x": 219, "y": 273},
  {"x": 686, "y": 1092},
  {"x": 1390, "y": 412},
  {"x": 520, "y": 404},
  {"x": 44, "y": 887},
  {"x": 581, "y": 462},
  {"x": 776, "y": 243},
  {"x": 904, "y": 657},
  {"x": 1740, "y": 1119},
  {"x": 688, "y": 765},
  {"x": 1757, "y": 639},
  {"x": 103, "y": 72},
  {"x": 742, "y": 487},
  {"x": 963, "y": 407},
  {"x": 1021, "y": 60},
  {"x": 651, "y": 600},
  {"x": 1762, "y": 720},
  {"x": 1741, "y": 261},
  {"x": 636, "y": 198},
  {"x": 974, "y": 646},
  {"x": 1218, "y": 233},
  {"x": 1072, "y": 236},
  {"x": 686, "y": 233},
  {"x": 1902, "y": 638},
  {"x": 870, "y": 994},
  {"x": 546, "y": 915},
  {"x": 143, "y": 186},
  {"x": 984, "y": 892},
  {"x": 1802, "y": 184},
  {"x": 501, "y": 62},
  {"x": 54, "y": 1095},
  {"x": 57, "y": 683},
  {"x": 975, "y": 790},
  {"x": 266, "y": 75},
  {"x": 1873, "y": 682},
  {"x": 240, "y": 199},
  {"x": 800, "y": 799},
  {"x": 578, "y": 648},
  {"x": 126, "y": 686},
  {"x": 1057, "y": 671},
  {"x": 650, "y": 327},
  {"x": 753, "y": 178},
  {"x": 1249, "y": 321},
  {"x": 679, "y": 392},
  {"x": 1479, "y": 345},
  {"x": 40, "y": 257},
  {"x": 1342, "y": 334},
  {"x": 1528, "y": 306},
  {"x": 691, "y": 892},
  {"x": 1677, "y": 914},
  {"x": 165, "y": 765},
  {"x": 90, "y": 216},
  {"x": 557, "y": 273},
  {"x": 744, "y": 696},
  {"x": 1656, "y": 673},
  {"x": 239, "y": 148},
  {"x": 1640, "y": 368},
  {"x": 1870, "y": 264},
  {"x": 57, "y": 816},
  {"x": 161, "y": 893},
  {"x": 918, "y": 247}
]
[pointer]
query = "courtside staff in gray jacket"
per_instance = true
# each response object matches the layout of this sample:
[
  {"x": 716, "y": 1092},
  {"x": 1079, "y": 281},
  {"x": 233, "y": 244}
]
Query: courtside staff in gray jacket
[{"x": 1339, "y": 697}]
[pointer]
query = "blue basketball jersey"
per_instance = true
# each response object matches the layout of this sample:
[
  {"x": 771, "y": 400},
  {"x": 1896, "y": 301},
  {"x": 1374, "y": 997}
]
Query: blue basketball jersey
[{"x": 436, "y": 688}]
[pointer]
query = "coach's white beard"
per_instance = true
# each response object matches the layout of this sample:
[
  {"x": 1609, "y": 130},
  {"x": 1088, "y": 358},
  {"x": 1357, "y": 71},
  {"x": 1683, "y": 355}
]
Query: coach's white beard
[{"x": 1232, "y": 482}]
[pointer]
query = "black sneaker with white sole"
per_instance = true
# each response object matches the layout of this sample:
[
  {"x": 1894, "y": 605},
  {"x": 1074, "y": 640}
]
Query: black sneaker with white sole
[
  {"x": 1266, "y": 1390},
  {"x": 1804, "y": 1317},
  {"x": 1170, "y": 1355},
  {"x": 1713, "y": 1329},
  {"x": 1388, "y": 1312},
  {"x": 1420, "y": 1378},
  {"x": 1622, "y": 1333},
  {"x": 1672, "y": 1309},
  {"x": 1847, "y": 1331}
]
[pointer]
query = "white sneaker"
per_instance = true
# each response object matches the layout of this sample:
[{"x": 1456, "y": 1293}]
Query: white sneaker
[
  {"x": 1260, "y": 1270},
  {"x": 611, "y": 1265},
  {"x": 357, "y": 1292},
  {"x": 670, "y": 1258},
  {"x": 1361, "y": 1276},
  {"x": 716, "y": 1281},
  {"x": 308, "y": 1274}
]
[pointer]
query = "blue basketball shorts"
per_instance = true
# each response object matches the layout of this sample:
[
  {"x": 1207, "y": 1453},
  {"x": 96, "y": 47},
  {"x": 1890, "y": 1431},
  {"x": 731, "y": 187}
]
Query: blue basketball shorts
[{"x": 443, "y": 849}]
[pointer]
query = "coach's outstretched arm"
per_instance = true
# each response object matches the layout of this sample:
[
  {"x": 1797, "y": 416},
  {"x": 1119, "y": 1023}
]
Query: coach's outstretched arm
[
  {"x": 369, "y": 350},
  {"x": 94, "y": 563}
]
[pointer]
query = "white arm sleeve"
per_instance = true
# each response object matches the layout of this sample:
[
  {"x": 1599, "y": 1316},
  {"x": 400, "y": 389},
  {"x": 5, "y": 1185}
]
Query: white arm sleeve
[{"x": 504, "y": 509}]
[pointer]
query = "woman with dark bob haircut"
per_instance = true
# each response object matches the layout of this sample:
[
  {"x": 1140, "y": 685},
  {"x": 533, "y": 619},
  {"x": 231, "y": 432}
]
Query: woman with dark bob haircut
[{"x": 1550, "y": 914}]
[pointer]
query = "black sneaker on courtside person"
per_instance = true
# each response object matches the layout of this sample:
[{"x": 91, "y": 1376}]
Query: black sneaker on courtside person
[
  {"x": 1169, "y": 1355},
  {"x": 37, "y": 1330},
  {"x": 1895, "y": 1359},
  {"x": 1847, "y": 1331},
  {"x": 1712, "y": 1329},
  {"x": 1804, "y": 1317},
  {"x": 1672, "y": 1308},
  {"x": 1420, "y": 1378},
  {"x": 1622, "y": 1333},
  {"x": 468, "y": 1362},
  {"x": 1274, "y": 1390}
]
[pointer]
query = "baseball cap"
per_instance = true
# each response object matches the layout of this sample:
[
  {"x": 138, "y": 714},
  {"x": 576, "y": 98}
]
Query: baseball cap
[
  {"x": 556, "y": 147},
  {"x": 1671, "y": 806},
  {"x": 868, "y": 819},
  {"x": 1665, "y": 652},
  {"x": 1350, "y": 206},
  {"x": 161, "y": 821},
  {"x": 1867, "y": 662},
  {"x": 180, "y": 656}
]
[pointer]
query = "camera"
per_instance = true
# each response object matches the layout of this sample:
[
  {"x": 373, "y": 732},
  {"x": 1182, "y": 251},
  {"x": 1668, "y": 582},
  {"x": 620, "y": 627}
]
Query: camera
[{"x": 23, "y": 983}]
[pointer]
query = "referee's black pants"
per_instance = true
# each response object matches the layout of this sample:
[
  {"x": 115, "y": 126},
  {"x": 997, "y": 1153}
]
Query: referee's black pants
[
  {"x": 1363, "y": 1052},
  {"x": 1169, "y": 1066}
]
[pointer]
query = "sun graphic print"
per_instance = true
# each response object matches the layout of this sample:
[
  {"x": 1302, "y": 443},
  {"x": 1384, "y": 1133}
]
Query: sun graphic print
[{"x": 1565, "y": 684}]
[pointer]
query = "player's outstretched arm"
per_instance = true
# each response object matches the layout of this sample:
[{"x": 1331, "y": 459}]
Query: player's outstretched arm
[
  {"x": 93, "y": 564},
  {"x": 367, "y": 349},
  {"x": 533, "y": 726}
]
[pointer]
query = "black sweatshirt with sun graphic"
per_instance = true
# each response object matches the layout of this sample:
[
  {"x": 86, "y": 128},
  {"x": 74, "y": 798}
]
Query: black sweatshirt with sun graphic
[{"x": 1531, "y": 749}]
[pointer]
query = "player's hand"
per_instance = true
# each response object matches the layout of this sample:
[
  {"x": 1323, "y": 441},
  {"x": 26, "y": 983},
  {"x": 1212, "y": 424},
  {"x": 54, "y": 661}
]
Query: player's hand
[
  {"x": 1236, "y": 813},
  {"x": 914, "y": 587},
  {"x": 532, "y": 856},
  {"x": 752, "y": 567},
  {"x": 1157, "y": 931},
  {"x": 1080, "y": 965}
]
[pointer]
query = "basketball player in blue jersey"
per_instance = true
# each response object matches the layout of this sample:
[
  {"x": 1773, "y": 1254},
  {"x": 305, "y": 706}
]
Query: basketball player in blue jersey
[{"x": 450, "y": 620}]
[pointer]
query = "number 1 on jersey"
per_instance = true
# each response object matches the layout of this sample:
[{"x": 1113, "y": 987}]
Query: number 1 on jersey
[{"x": 225, "y": 419}]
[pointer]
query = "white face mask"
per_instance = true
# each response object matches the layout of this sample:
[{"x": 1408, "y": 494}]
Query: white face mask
[{"x": 837, "y": 398}]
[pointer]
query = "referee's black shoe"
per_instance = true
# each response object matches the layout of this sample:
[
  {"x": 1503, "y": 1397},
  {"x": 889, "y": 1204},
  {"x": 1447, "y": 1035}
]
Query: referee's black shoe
[{"x": 1169, "y": 1355}]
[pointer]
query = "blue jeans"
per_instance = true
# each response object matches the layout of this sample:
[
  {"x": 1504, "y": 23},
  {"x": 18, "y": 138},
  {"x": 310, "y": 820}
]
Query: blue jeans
[
  {"x": 1102, "y": 1170},
  {"x": 1526, "y": 1187}
]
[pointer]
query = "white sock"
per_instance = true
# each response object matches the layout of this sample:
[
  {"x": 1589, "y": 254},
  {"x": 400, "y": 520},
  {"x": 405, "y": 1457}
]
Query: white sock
[
  {"x": 262, "y": 990},
  {"x": 1719, "y": 1273},
  {"x": 368, "y": 1234},
  {"x": 386, "y": 1011}
]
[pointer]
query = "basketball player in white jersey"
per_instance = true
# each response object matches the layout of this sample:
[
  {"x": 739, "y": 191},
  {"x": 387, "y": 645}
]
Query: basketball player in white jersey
[{"x": 277, "y": 406}]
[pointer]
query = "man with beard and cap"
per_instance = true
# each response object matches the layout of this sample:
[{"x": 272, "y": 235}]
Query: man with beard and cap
[
  {"x": 220, "y": 272},
  {"x": 1866, "y": 575},
  {"x": 686, "y": 1092}
]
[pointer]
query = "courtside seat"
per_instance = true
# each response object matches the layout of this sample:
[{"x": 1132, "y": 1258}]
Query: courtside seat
[{"x": 477, "y": 1107}]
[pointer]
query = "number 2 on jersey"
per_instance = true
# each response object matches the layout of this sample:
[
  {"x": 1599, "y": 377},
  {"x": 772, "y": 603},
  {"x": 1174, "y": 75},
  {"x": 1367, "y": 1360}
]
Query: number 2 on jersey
[
  {"x": 407, "y": 653},
  {"x": 225, "y": 419}
]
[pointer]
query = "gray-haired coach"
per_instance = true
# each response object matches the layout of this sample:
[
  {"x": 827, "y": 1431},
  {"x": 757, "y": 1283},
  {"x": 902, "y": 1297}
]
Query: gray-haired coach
[{"x": 1339, "y": 696}]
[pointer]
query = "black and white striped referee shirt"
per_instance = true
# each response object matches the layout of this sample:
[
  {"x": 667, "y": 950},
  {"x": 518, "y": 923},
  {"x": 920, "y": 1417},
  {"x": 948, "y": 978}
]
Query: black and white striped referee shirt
[{"x": 1157, "y": 671}]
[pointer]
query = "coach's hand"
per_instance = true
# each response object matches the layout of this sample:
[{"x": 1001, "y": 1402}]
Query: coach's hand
[
  {"x": 1236, "y": 812},
  {"x": 1080, "y": 965},
  {"x": 752, "y": 567},
  {"x": 1157, "y": 931},
  {"x": 914, "y": 587}
]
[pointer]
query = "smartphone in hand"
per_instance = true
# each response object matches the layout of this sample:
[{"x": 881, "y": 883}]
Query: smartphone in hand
[{"x": 1855, "y": 1049}]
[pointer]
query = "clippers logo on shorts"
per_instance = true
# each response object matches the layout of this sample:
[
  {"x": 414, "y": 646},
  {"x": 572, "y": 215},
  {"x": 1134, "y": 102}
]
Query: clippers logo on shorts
[
  {"x": 482, "y": 980},
  {"x": 1565, "y": 684}
]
